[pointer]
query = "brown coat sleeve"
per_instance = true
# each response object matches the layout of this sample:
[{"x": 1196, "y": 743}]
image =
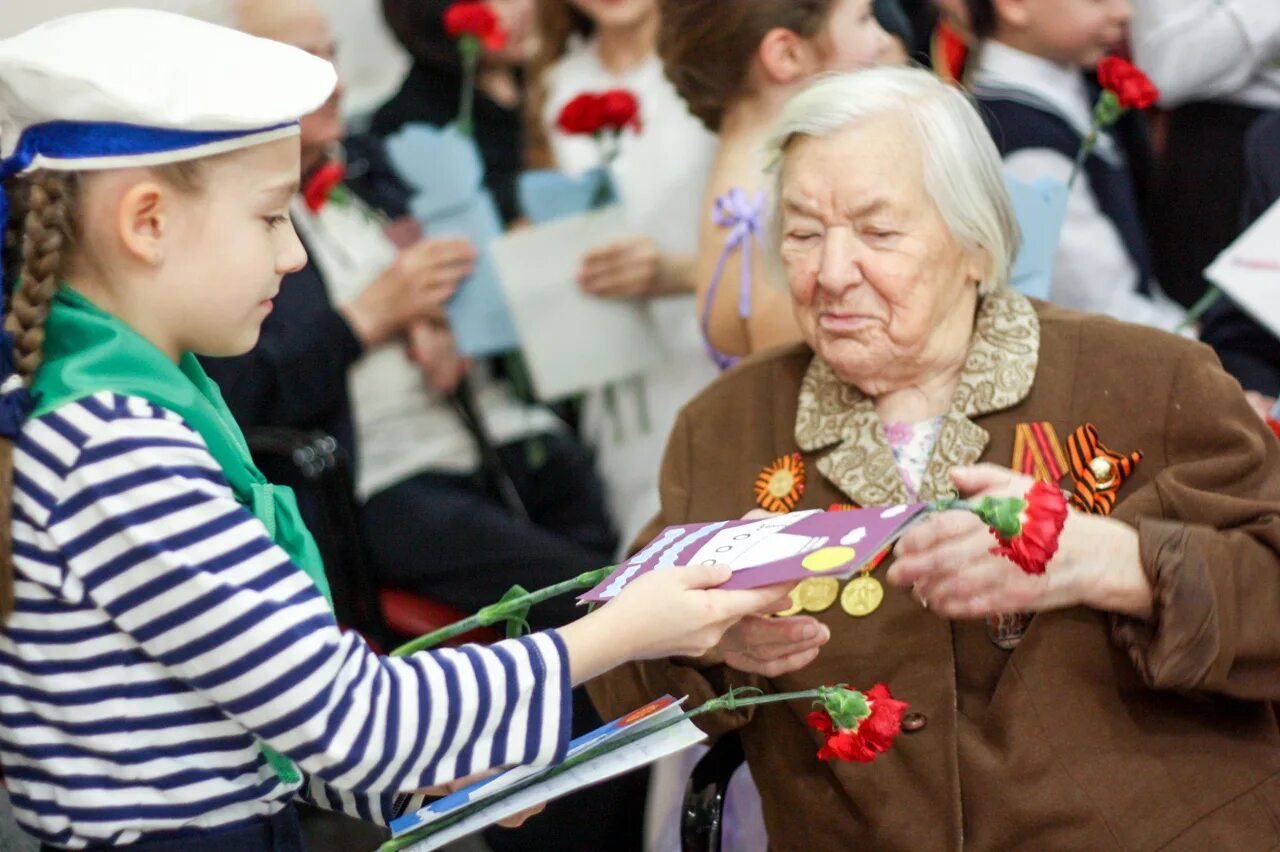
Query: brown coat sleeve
[
  {"x": 1212, "y": 552},
  {"x": 635, "y": 684}
]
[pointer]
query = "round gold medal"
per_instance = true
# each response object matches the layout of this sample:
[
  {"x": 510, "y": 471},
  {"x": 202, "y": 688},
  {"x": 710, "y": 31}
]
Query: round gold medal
[
  {"x": 795, "y": 607},
  {"x": 817, "y": 594},
  {"x": 862, "y": 596}
]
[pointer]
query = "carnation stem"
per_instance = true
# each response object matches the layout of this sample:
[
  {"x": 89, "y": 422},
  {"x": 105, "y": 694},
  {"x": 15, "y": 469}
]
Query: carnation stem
[
  {"x": 723, "y": 702},
  {"x": 469, "y": 47},
  {"x": 1200, "y": 308},
  {"x": 502, "y": 611}
]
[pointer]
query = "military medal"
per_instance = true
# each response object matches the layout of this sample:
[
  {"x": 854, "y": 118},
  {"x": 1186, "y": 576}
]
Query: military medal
[
  {"x": 862, "y": 596},
  {"x": 817, "y": 594},
  {"x": 779, "y": 486},
  {"x": 864, "y": 593},
  {"x": 1098, "y": 470}
]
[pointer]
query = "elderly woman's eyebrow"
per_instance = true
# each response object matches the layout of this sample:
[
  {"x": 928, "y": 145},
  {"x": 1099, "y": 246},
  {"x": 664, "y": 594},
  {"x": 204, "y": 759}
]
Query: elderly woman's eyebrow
[{"x": 803, "y": 206}]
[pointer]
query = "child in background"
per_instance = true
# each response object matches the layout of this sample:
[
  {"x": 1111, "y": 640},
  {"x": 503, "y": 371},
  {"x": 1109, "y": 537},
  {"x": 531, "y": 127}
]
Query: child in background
[
  {"x": 1029, "y": 77},
  {"x": 170, "y": 672}
]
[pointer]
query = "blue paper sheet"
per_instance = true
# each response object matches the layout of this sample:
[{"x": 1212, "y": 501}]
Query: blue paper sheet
[
  {"x": 445, "y": 169},
  {"x": 547, "y": 195},
  {"x": 1040, "y": 207}
]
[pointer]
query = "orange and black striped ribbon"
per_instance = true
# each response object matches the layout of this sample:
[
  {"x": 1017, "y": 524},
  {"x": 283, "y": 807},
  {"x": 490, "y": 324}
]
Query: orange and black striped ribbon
[
  {"x": 1091, "y": 496},
  {"x": 1037, "y": 451}
]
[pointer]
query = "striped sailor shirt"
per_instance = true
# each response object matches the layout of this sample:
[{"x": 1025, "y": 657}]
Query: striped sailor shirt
[{"x": 159, "y": 635}]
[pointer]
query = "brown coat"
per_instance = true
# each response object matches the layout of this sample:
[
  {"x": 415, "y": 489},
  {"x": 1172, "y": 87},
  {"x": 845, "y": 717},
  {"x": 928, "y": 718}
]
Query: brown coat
[{"x": 1095, "y": 733}]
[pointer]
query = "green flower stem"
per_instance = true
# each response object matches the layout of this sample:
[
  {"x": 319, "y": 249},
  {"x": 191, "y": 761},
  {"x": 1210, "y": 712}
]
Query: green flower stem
[
  {"x": 505, "y": 610},
  {"x": 1106, "y": 112},
  {"x": 1200, "y": 308},
  {"x": 469, "y": 47},
  {"x": 725, "y": 702}
]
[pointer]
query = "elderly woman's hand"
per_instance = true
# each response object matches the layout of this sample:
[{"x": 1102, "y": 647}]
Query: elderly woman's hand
[
  {"x": 770, "y": 646},
  {"x": 948, "y": 563}
]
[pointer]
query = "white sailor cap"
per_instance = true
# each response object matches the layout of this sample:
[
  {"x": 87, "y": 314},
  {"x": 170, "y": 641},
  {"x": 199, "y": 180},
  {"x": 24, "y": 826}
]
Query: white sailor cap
[{"x": 137, "y": 87}]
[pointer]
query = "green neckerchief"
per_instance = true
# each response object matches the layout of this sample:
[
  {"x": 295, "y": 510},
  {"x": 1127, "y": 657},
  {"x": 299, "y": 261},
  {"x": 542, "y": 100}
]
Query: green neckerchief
[{"x": 87, "y": 351}]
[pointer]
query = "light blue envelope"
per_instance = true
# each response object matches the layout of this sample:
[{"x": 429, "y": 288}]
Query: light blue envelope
[
  {"x": 546, "y": 195},
  {"x": 1040, "y": 207},
  {"x": 445, "y": 169}
]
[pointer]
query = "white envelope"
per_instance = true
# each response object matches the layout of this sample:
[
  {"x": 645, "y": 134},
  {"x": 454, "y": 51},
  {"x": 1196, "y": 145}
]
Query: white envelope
[
  {"x": 572, "y": 342},
  {"x": 1249, "y": 270}
]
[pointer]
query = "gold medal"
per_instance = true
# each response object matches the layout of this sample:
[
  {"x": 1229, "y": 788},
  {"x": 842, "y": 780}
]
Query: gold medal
[
  {"x": 817, "y": 594},
  {"x": 862, "y": 596},
  {"x": 795, "y": 607}
]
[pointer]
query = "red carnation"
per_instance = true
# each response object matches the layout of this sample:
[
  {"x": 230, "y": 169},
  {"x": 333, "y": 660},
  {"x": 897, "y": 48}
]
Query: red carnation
[
  {"x": 476, "y": 20},
  {"x": 321, "y": 185},
  {"x": 1042, "y": 521},
  {"x": 620, "y": 109},
  {"x": 1275, "y": 425},
  {"x": 1130, "y": 85},
  {"x": 584, "y": 114},
  {"x": 871, "y": 733}
]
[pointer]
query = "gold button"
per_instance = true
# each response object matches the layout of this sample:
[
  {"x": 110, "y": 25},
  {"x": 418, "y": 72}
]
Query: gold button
[{"x": 1103, "y": 471}]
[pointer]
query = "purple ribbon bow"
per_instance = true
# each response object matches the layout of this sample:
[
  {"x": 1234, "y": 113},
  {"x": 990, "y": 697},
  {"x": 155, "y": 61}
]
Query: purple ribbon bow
[{"x": 743, "y": 216}]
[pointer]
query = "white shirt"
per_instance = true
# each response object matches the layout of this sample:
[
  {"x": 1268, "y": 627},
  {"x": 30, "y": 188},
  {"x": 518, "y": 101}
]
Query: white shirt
[
  {"x": 661, "y": 174},
  {"x": 1227, "y": 50},
  {"x": 402, "y": 428},
  {"x": 1092, "y": 269}
]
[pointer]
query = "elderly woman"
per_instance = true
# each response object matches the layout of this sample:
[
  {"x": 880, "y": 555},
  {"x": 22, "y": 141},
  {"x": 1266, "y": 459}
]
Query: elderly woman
[{"x": 1118, "y": 701}]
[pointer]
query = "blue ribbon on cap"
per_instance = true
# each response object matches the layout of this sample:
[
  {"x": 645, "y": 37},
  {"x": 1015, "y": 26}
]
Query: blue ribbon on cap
[{"x": 69, "y": 141}]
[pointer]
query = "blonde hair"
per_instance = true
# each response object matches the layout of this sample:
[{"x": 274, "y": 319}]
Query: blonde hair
[{"x": 962, "y": 167}]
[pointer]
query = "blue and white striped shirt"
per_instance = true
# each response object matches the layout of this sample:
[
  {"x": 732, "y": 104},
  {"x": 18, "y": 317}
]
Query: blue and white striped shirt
[{"x": 159, "y": 634}]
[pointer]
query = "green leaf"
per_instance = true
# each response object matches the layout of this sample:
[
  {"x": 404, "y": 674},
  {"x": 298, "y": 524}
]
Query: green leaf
[{"x": 513, "y": 608}]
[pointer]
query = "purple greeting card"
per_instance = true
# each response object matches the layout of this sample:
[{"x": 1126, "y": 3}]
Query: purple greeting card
[{"x": 772, "y": 550}]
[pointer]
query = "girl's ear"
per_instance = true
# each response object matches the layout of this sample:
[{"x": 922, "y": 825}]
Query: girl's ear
[
  {"x": 142, "y": 220},
  {"x": 785, "y": 57}
]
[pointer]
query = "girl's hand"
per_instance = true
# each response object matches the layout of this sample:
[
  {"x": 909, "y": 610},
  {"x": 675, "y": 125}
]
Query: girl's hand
[
  {"x": 947, "y": 561},
  {"x": 514, "y": 821},
  {"x": 674, "y": 612},
  {"x": 626, "y": 269}
]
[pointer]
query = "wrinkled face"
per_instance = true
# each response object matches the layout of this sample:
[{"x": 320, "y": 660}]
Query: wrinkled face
[
  {"x": 324, "y": 128},
  {"x": 226, "y": 248},
  {"x": 617, "y": 14},
  {"x": 882, "y": 290},
  {"x": 516, "y": 17},
  {"x": 1075, "y": 32},
  {"x": 854, "y": 38}
]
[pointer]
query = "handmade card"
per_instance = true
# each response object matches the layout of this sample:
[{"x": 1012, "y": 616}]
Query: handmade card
[
  {"x": 445, "y": 168},
  {"x": 1040, "y": 207},
  {"x": 772, "y": 550},
  {"x": 466, "y": 811},
  {"x": 1249, "y": 270},
  {"x": 572, "y": 341},
  {"x": 546, "y": 195}
]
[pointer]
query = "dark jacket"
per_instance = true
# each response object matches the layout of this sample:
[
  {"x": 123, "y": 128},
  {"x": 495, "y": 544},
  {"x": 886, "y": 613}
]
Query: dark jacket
[
  {"x": 1249, "y": 351},
  {"x": 1096, "y": 732}
]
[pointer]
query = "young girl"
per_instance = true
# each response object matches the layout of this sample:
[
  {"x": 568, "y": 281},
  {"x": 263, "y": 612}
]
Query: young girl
[
  {"x": 594, "y": 46},
  {"x": 170, "y": 672},
  {"x": 736, "y": 74}
]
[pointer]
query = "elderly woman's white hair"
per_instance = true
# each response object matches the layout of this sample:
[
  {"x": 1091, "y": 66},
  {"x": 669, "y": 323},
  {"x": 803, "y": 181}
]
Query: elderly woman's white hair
[{"x": 961, "y": 164}]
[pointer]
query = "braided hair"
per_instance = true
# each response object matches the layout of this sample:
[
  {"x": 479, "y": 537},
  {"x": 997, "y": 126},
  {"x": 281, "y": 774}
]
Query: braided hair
[{"x": 40, "y": 230}]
